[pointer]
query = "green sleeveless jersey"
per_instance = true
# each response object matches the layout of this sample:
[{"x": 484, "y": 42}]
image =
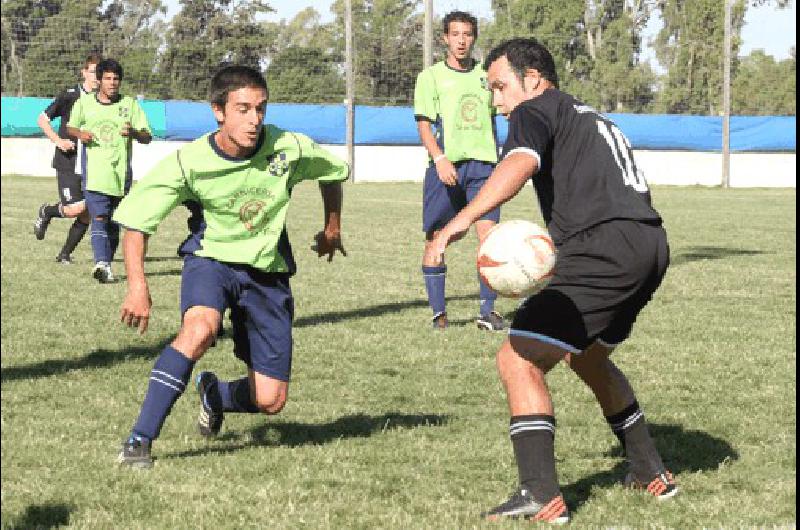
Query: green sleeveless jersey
[
  {"x": 459, "y": 106},
  {"x": 245, "y": 201},
  {"x": 108, "y": 155}
]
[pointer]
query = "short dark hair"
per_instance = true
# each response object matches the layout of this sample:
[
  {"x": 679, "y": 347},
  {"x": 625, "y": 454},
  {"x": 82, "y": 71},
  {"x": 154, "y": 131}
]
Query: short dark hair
[
  {"x": 523, "y": 54},
  {"x": 232, "y": 78},
  {"x": 92, "y": 58},
  {"x": 108, "y": 65},
  {"x": 459, "y": 16}
]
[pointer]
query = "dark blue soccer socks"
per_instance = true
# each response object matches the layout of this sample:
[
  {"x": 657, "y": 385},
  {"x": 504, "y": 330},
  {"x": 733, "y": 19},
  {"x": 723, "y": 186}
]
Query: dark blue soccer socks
[
  {"x": 533, "y": 438},
  {"x": 487, "y": 297},
  {"x": 630, "y": 428},
  {"x": 101, "y": 247},
  {"x": 434, "y": 286},
  {"x": 235, "y": 396},
  {"x": 168, "y": 380}
]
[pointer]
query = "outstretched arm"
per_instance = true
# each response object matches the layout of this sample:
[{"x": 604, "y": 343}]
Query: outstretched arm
[
  {"x": 328, "y": 241},
  {"x": 136, "y": 307},
  {"x": 505, "y": 182}
]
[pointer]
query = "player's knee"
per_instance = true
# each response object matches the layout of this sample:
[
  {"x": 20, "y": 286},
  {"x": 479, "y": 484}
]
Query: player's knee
[
  {"x": 271, "y": 403},
  {"x": 198, "y": 333}
]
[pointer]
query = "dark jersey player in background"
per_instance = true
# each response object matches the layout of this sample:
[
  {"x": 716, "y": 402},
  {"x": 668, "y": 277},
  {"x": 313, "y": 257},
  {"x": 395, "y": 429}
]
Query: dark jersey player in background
[
  {"x": 72, "y": 202},
  {"x": 612, "y": 255}
]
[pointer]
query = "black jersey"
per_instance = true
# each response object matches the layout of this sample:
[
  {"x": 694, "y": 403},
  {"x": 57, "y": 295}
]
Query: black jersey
[
  {"x": 62, "y": 107},
  {"x": 586, "y": 173}
]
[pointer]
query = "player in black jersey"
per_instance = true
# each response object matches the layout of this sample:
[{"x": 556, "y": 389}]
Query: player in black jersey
[
  {"x": 612, "y": 254},
  {"x": 72, "y": 204}
]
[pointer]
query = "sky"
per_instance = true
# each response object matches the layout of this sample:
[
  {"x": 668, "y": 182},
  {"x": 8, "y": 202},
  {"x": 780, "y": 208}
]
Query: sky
[{"x": 768, "y": 28}]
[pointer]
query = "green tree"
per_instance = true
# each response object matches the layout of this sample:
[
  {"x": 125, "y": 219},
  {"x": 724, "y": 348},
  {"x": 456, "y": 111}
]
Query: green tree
[
  {"x": 205, "y": 35},
  {"x": 595, "y": 45},
  {"x": 305, "y": 75},
  {"x": 388, "y": 48},
  {"x": 764, "y": 86},
  {"x": 690, "y": 47}
]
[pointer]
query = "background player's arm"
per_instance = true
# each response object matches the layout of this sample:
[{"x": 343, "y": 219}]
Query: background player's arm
[
  {"x": 142, "y": 136},
  {"x": 444, "y": 168},
  {"x": 506, "y": 180},
  {"x": 65, "y": 144},
  {"x": 328, "y": 241},
  {"x": 83, "y": 136},
  {"x": 136, "y": 306}
]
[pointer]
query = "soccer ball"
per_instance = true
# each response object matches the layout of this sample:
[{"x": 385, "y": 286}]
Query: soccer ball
[{"x": 516, "y": 258}]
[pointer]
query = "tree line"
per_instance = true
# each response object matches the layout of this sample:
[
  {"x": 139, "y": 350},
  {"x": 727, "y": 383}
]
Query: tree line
[{"x": 597, "y": 45}]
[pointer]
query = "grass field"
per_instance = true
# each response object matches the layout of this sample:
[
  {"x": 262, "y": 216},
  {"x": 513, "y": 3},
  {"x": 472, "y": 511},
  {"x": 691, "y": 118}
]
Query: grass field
[{"x": 390, "y": 424}]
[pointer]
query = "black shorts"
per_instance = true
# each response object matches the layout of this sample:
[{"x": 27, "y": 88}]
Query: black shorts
[
  {"x": 69, "y": 186},
  {"x": 603, "y": 278}
]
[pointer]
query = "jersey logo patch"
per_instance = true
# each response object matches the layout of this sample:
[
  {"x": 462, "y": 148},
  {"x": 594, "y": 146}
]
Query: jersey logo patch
[
  {"x": 278, "y": 165},
  {"x": 124, "y": 112},
  {"x": 251, "y": 215},
  {"x": 468, "y": 113}
]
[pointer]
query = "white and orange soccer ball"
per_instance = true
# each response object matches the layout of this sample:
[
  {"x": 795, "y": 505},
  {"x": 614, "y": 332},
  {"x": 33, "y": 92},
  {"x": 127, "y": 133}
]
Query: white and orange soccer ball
[{"x": 517, "y": 258}]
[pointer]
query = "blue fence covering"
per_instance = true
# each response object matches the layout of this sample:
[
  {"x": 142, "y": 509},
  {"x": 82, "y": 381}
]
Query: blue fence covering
[{"x": 187, "y": 120}]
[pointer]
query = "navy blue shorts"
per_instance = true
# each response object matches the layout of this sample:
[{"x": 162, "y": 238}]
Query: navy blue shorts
[
  {"x": 440, "y": 203},
  {"x": 603, "y": 278},
  {"x": 100, "y": 204},
  {"x": 261, "y": 304}
]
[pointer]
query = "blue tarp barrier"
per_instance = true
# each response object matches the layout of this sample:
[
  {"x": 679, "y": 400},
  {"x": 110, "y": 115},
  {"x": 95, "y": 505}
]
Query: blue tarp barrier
[{"x": 187, "y": 120}]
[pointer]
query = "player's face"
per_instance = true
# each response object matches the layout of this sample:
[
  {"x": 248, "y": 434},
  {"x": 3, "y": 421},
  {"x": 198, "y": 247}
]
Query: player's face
[
  {"x": 459, "y": 39},
  {"x": 241, "y": 120},
  {"x": 89, "y": 77},
  {"x": 506, "y": 88},
  {"x": 109, "y": 84}
]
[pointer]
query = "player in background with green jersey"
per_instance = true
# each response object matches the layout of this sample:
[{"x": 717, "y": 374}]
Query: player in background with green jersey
[
  {"x": 242, "y": 176},
  {"x": 455, "y": 121},
  {"x": 107, "y": 123}
]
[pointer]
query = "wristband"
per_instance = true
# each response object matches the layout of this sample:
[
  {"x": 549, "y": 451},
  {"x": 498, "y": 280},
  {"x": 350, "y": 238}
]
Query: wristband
[{"x": 437, "y": 158}]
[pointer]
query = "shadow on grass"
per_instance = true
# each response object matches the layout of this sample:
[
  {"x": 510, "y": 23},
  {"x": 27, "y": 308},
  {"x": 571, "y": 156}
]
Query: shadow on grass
[
  {"x": 43, "y": 516},
  {"x": 373, "y": 311},
  {"x": 294, "y": 434},
  {"x": 681, "y": 450},
  {"x": 96, "y": 359},
  {"x": 690, "y": 254}
]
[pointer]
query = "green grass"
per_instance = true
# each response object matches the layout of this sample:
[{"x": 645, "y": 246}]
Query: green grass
[{"x": 389, "y": 424}]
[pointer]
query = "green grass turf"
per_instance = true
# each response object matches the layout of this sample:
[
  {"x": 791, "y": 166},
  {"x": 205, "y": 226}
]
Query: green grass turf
[{"x": 390, "y": 424}]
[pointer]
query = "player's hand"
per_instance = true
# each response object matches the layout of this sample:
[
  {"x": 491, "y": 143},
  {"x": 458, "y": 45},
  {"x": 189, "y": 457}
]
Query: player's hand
[
  {"x": 453, "y": 231},
  {"x": 65, "y": 144},
  {"x": 447, "y": 172},
  {"x": 126, "y": 129},
  {"x": 326, "y": 244},
  {"x": 85, "y": 136},
  {"x": 136, "y": 308}
]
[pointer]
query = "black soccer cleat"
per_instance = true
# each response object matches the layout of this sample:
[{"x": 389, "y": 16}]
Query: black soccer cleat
[
  {"x": 209, "y": 421},
  {"x": 491, "y": 322},
  {"x": 662, "y": 486},
  {"x": 521, "y": 504},
  {"x": 102, "y": 273},
  {"x": 64, "y": 259},
  {"x": 41, "y": 223},
  {"x": 439, "y": 321},
  {"x": 135, "y": 453}
]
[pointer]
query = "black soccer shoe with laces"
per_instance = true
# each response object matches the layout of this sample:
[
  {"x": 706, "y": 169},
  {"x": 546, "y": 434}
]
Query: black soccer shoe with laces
[
  {"x": 41, "y": 223},
  {"x": 135, "y": 453},
  {"x": 491, "y": 322},
  {"x": 64, "y": 259},
  {"x": 209, "y": 421},
  {"x": 662, "y": 486},
  {"x": 521, "y": 504}
]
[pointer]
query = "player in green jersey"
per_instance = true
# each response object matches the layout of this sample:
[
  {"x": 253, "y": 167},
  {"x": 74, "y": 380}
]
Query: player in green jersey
[
  {"x": 455, "y": 121},
  {"x": 242, "y": 176},
  {"x": 107, "y": 123}
]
